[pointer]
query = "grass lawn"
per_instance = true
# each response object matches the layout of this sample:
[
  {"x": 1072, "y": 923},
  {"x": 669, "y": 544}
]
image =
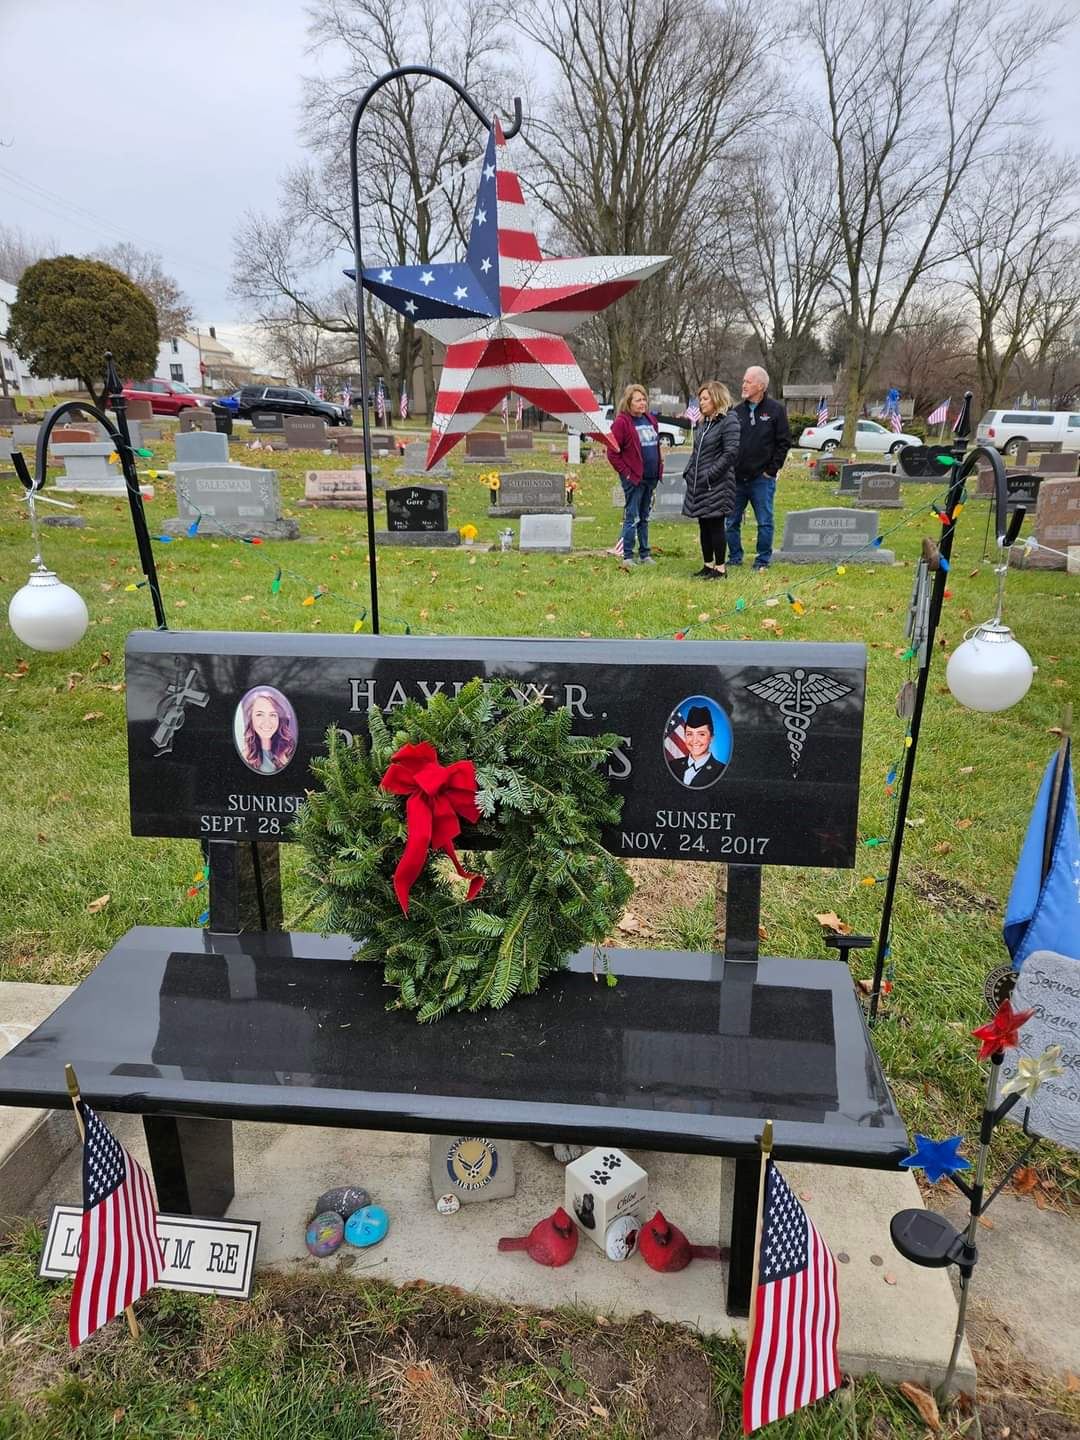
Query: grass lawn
[
  {"x": 338, "y": 1359},
  {"x": 65, "y": 843}
]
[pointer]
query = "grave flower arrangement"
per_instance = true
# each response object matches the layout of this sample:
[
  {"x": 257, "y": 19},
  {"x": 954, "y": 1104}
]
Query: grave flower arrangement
[
  {"x": 463, "y": 932},
  {"x": 571, "y": 481},
  {"x": 492, "y": 480}
]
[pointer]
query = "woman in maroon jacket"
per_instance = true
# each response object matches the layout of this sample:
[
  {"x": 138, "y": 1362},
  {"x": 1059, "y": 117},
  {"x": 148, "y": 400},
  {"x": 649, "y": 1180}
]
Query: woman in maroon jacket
[{"x": 639, "y": 461}]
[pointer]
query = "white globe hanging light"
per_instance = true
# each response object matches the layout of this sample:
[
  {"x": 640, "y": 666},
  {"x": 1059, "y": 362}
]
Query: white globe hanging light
[
  {"x": 990, "y": 670},
  {"x": 46, "y": 614}
]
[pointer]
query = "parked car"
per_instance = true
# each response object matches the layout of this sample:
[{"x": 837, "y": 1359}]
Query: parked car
[
  {"x": 1004, "y": 429},
  {"x": 167, "y": 397},
  {"x": 279, "y": 400},
  {"x": 668, "y": 431},
  {"x": 869, "y": 435}
]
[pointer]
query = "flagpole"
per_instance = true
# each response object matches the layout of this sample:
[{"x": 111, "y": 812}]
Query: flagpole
[
  {"x": 766, "y": 1144},
  {"x": 1055, "y": 786},
  {"x": 73, "y": 1091}
]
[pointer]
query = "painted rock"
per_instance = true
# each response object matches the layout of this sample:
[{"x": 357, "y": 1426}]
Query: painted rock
[
  {"x": 367, "y": 1226},
  {"x": 448, "y": 1204},
  {"x": 324, "y": 1234},
  {"x": 344, "y": 1200},
  {"x": 620, "y": 1240}
]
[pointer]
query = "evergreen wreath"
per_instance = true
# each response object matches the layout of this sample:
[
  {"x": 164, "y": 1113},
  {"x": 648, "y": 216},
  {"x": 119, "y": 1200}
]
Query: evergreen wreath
[{"x": 549, "y": 888}]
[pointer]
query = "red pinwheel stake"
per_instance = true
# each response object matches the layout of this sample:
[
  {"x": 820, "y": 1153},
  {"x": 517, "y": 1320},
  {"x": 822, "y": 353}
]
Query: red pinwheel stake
[
  {"x": 1003, "y": 1032},
  {"x": 552, "y": 1241},
  {"x": 664, "y": 1247},
  {"x": 438, "y": 798}
]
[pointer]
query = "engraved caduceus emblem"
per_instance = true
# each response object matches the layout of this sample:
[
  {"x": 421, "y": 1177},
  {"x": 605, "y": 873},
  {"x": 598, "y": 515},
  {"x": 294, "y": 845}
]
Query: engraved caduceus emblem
[{"x": 798, "y": 696}]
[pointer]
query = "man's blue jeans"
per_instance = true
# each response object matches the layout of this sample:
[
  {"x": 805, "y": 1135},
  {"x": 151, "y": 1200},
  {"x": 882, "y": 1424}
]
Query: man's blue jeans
[
  {"x": 757, "y": 493},
  {"x": 639, "y": 500}
]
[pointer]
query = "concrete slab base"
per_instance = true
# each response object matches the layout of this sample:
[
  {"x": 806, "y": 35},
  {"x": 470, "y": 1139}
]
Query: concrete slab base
[
  {"x": 33, "y": 1143},
  {"x": 897, "y": 1320}
]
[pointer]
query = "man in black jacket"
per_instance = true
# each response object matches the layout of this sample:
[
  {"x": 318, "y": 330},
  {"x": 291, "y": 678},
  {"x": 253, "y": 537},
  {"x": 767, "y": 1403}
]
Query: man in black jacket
[{"x": 765, "y": 442}]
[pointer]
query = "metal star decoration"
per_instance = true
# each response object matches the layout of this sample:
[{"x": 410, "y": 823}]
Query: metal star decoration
[
  {"x": 503, "y": 311},
  {"x": 937, "y": 1157},
  {"x": 1030, "y": 1073},
  {"x": 1003, "y": 1032}
]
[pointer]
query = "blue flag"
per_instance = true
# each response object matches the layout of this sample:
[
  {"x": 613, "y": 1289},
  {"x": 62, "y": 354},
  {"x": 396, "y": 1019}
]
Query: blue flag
[{"x": 1045, "y": 914}]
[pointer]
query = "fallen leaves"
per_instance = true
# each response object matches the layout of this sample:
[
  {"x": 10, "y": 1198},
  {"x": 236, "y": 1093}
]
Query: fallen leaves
[
  {"x": 964, "y": 824},
  {"x": 923, "y": 1402},
  {"x": 1025, "y": 1180},
  {"x": 96, "y": 906},
  {"x": 831, "y": 921},
  {"x": 93, "y": 715},
  {"x": 944, "y": 848},
  {"x": 21, "y": 668}
]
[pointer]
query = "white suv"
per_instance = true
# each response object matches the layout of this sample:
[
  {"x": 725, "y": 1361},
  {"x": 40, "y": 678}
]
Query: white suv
[
  {"x": 1003, "y": 429},
  {"x": 669, "y": 434}
]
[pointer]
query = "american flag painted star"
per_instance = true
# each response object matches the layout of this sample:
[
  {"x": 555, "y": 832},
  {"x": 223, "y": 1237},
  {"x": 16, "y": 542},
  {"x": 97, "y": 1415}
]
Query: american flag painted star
[{"x": 504, "y": 311}]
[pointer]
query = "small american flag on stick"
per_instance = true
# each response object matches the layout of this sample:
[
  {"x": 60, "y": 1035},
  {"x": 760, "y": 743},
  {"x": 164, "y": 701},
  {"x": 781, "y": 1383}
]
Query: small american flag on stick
[
  {"x": 895, "y": 422},
  {"x": 941, "y": 414},
  {"x": 692, "y": 412},
  {"x": 404, "y": 406},
  {"x": 794, "y": 1312},
  {"x": 119, "y": 1258},
  {"x": 822, "y": 411}
]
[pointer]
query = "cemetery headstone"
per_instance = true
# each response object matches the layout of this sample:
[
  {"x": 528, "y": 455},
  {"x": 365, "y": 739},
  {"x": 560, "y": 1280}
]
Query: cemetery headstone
[
  {"x": 223, "y": 423},
  {"x": 416, "y": 460},
  {"x": 1020, "y": 452},
  {"x": 1057, "y": 463},
  {"x": 305, "y": 432},
  {"x": 573, "y": 448},
  {"x": 267, "y": 420},
  {"x": 336, "y": 490},
  {"x": 24, "y": 435},
  {"x": 1021, "y": 489},
  {"x": 483, "y": 446},
  {"x": 139, "y": 410},
  {"x": 880, "y": 491},
  {"x": 851, "y": 475},
  {"x": 547, "y": 532},
  {"x": 528, "y": 492},
  {"x": 8, "y": 412},
  {"x": 231, "y": 500},
  {"x": 922, "y": 462},
  {"x": 202, "y": 447},
  {"x": 1049, "y": 984},
  {"x": 832, "y": 536},
  {"x": 1057, "y": 525},
  {"x": 1043, "y": 447},
  {"x": 88, "y": 471},
  {"x": 416, "y": 515},
  {"x": 668, "y": 500},
  {"x": 196, "y": 418},
  {"x": 72, "y": 435},
  {"x": 519, "y": 440}
]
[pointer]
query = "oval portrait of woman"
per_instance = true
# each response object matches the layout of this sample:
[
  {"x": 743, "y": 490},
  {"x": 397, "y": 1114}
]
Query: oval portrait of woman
[
  {"x": 697, "y": 742},
  {"x": 265, "y": 730}
]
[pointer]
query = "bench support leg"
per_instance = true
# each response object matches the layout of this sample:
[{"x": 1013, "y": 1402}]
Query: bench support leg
[
  {"x": 192, "y": 1164},
  {"x": 245, "y": 886},
  {"x": 743, "y": 912},
  {"x": 743, "y": 1229}
]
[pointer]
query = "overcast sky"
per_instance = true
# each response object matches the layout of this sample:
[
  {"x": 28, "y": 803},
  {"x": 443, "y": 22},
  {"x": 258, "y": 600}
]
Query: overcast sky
[{"x": 162, "y": 124}]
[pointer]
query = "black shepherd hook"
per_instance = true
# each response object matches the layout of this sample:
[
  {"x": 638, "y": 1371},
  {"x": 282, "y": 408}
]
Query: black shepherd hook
[
  {"x": 1006, "y": 529},
  {"x": 121, "y": 438},
  {"x": 358, "y": 260}
]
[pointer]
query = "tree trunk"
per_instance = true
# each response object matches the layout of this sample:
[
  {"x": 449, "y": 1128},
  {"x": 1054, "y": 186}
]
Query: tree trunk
[
  {"x": 428, "y": 365},
  {"x": 853, "y": 403}
]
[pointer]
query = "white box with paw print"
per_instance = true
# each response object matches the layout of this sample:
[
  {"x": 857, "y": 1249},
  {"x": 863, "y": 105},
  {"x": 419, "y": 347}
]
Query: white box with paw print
[{"x": 602, "y": 1185}]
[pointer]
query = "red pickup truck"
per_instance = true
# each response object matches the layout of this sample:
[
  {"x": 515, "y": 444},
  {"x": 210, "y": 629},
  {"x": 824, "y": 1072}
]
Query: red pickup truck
[{"x": 167, "y": 397}]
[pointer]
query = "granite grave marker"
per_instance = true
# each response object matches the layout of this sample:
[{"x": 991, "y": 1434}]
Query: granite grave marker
[
  {"x": 202, "y": 447},
  {"x": 336, "y": 490},
  {"x": 305, "y": 432},
  {"x": 851, "y": 475},
  {"x": 832, "y": 536},
  {"x": 416, "y": 460},
  {"x": 530, "y": 492},
  {"x": 196, "y": 418},
  {"x": 880, "y": 491},
  {"x": 266, "y": 420},
  {"x": 231, "y": 500},
  {"x": 416, "y": 515},
  {"x": 483, "y": 446},
  {"x": 547, "y": 532},
  {"x": 1057, "y": 525}
]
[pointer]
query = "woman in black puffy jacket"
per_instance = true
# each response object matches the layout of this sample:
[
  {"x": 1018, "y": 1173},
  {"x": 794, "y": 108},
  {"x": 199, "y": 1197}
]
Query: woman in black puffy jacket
[{"x": 710, "y": 476}]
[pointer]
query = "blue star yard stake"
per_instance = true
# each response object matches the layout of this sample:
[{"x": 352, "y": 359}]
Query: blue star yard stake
[{"x": 937, "y": 1157}]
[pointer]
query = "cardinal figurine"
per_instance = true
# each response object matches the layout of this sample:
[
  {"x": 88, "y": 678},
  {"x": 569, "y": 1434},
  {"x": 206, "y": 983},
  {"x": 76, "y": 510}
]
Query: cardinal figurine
[
  {"x": 665, "y": 1247},
  {"x": 550, "y": 1242}
]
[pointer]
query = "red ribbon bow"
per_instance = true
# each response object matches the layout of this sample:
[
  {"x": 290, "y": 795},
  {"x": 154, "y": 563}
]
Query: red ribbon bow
[{"x": 436, "y": 796}]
